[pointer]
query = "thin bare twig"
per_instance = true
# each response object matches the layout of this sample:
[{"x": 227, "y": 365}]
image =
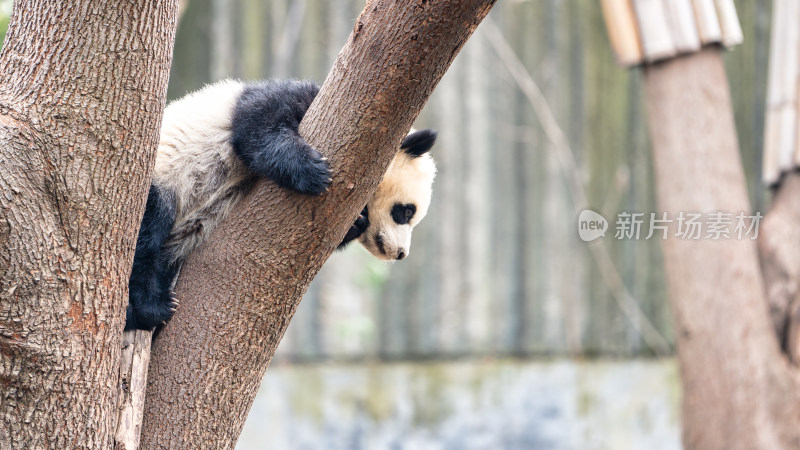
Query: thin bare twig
[{"x": 629, "y": 306}]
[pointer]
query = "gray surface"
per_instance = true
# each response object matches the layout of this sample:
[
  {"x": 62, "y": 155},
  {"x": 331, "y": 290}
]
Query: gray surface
[{"x": 468, "y": 405}]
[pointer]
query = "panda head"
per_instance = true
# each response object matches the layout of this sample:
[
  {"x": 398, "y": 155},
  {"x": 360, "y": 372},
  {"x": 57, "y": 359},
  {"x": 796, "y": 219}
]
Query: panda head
[{"x": 402, "y": 198}]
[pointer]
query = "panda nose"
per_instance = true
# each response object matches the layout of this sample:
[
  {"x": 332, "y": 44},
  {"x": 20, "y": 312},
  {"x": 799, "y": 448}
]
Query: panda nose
[{"x": 401, "y": 254}]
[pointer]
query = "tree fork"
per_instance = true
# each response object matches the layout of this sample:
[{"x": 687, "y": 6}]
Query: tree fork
[{"x": 239, "y": 291}]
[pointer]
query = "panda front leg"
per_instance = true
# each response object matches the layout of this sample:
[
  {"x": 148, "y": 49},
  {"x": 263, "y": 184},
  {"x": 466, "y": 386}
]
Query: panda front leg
[
  {"x": 265, "y": 136},
  {"x": 149, "y": 299}
]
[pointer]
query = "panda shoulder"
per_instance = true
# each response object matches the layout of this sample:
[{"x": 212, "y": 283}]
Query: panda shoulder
[
  {"x": 211, "y": 100},
  {"x": 207, "y": 111}
]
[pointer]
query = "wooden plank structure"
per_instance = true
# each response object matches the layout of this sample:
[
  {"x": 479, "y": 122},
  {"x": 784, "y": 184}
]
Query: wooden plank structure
[
  {"x": 682, "y": 25},
  {"x": 781, "y": 149},
  {"x": 646, "y": 31},
  {"x": 623, "y": 31}
]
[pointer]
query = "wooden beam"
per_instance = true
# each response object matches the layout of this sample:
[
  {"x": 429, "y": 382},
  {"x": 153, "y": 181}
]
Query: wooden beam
[
  {"x": 682, "y": 24},
  {"x": 705, "y": 11},
  {"x": 654, "y": 31},
  {"x": 729, "y": 22},
  {"x": 780, "y": 135},
  {"x": 622, "y": 31}
]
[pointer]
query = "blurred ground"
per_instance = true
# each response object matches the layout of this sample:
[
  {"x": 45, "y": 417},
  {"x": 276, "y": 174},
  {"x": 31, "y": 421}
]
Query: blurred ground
[{"x": 482, "y": 404}]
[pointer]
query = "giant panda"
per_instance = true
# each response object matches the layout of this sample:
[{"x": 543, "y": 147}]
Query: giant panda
[{"x": 215, "y": 142}]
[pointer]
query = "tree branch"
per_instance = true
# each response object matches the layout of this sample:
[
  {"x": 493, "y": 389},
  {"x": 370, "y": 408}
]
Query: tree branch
[{"x": 240, "y": 290}]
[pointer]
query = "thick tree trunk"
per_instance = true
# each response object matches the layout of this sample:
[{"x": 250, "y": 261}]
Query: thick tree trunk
[
  {"x": 739, "y": 393},
  {"x": 240, "y": 290},
  {"x": 82, "y": 88}
]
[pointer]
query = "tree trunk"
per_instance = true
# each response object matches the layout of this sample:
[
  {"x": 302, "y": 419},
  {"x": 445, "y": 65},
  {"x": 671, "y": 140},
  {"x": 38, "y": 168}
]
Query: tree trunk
[
  {"x": 239, "y": 291},
  {"x": 82, "y": 88},
  {"x": 738, "y": 390}
]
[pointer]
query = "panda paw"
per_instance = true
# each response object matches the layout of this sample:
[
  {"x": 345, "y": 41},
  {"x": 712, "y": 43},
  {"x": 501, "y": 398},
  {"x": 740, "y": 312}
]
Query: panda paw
[
  {"x": 173, "y": 301},
  {"x": 173, "y": 304},
  {"x": 151, "y": 314},
  {"x": 357, "y": 229},
  {"x": 311, "y": 174},
  {"x": 361, "y": 224}
]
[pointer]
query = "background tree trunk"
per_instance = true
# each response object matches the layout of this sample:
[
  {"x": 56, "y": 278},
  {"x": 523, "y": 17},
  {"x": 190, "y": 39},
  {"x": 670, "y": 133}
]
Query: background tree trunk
[
  {"x": 738, "y": 391},
  {"x": 82, "y": 88},
  {"x": 240, "y": 290}
]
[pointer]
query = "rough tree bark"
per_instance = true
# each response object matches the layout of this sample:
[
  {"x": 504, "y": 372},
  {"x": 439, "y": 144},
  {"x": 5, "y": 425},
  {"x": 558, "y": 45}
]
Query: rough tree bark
[
  {"x": 82, "y": 88},
  {"x": 240, "y": 290},
  {"x": 738, "y": 390}
]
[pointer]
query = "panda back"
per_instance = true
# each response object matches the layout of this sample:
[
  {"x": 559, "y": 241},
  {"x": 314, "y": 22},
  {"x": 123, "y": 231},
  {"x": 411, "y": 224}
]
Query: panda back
[
  {"x": 196, "y": 162},
  {"x": 194, "y": 153}
]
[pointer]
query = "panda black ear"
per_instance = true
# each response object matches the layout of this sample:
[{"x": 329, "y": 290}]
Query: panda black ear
[{"x": 419, "y": 142}]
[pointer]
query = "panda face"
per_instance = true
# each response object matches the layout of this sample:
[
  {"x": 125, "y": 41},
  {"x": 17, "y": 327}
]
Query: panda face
[{"x": 402, "y": 198}]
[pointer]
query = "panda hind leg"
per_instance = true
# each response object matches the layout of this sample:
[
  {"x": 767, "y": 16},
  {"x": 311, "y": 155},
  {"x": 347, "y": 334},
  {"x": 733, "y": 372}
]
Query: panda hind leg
[{"x": 150, "y": 301}]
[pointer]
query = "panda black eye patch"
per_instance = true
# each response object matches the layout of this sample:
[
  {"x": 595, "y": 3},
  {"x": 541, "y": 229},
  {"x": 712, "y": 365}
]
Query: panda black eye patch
[{"x": 402, "y": 214}]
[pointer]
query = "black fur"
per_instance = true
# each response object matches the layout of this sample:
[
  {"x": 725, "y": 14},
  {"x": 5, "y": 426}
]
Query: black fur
[
  {"x": 402, "y": 214},
  {"x": 418, "y": 143},
  {"x": 265, "y": 136},
  {"x": 150, "y": 300},
  {"x": 357, "y": 229},
  {"x": 380, "y": 244}
]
